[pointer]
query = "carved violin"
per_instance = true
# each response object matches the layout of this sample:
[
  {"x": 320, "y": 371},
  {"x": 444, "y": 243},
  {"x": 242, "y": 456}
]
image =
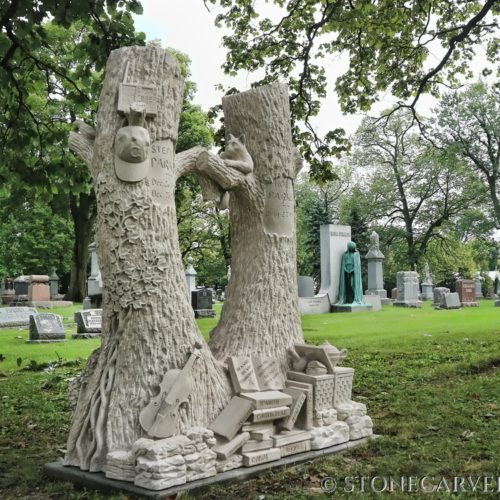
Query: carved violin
[{"x": 159, "y": 417}]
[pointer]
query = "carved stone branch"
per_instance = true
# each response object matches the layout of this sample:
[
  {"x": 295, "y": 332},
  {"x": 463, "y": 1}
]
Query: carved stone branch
[
  {"x": 216, "y": 169},
  {"x": 298, "y": 161},
  {"x": 82, "y": 142},
  {"x": 186, "y": 162}
]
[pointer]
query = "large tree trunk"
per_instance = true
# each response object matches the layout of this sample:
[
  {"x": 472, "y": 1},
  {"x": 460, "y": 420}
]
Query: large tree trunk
[
  {"x": 260, "y": 314},
  {"x": 83, "y": 214},
  {"x": 148, "y": 323}
]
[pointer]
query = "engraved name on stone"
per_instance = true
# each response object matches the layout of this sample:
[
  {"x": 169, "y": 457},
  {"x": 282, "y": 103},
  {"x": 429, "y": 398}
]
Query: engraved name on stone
[
  {"x": 161, "y": 178},
  {"x": 261, "y": 457},
  {"x": 299, "y": 398},
  {"x": 268, "y": 399},
  {"x": 340, "y": 233},
  {"x": 232, "y": 417},
  {"x": 242, "y": 374},
  {"x": 270, "y": 414},
  {"x": 294, "y": 448},
  {"x": 279, "y": 208},
  {"x": 268, "y": 373}
]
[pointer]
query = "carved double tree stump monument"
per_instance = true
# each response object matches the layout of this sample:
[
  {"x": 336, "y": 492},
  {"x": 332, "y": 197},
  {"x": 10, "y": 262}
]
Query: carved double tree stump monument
[{"x": 157, "y": 405}]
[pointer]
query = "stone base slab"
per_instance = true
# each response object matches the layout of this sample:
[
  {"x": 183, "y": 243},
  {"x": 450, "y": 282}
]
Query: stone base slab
[
  {"x": 351, "y": 308},
  {"x": 85, "y": 335},
  {"x": 386, "y": 302},
  {"x": 45, "y": 341},
  {"x": 45, "y": 304},
  {"x": 98, "y": 481},
  {"x": 497, "y": 303},
  {"x": 416, "y": 304},
  {"x": 470, "y": 304}
]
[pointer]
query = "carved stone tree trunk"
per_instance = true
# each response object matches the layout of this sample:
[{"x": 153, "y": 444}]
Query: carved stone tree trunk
[
  {"x": 260, "y": 314},
  {"x": 148, "y": 323}
]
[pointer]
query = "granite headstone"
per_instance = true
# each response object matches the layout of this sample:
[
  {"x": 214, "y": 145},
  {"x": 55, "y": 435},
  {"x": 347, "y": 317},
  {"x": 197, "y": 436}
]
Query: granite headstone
[
  {"x": 408, "y": 289},
  {"x": 46, "y": 327},
  {"x": 467, "y": 292},
  {"x": 88, "y": 323},
  {"x": 16, "y": 316}
]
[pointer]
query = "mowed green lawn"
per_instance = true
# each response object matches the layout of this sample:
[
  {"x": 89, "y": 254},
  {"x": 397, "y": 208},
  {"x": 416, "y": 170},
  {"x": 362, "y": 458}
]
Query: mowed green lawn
[{"x": 430, "y": 379}]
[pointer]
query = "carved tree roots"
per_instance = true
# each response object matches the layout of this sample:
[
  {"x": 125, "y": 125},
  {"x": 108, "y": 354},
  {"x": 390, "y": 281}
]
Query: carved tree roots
[{"x": 148, "y": 323}]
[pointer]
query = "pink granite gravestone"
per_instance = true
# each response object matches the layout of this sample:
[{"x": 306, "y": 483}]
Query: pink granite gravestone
[{"x": 39, "y": 290}]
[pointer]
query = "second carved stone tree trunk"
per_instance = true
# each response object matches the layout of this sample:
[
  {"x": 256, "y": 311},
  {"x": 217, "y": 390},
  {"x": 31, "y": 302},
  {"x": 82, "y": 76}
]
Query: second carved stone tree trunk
[
  {"x": 260, "y": 314},
  {"x": 148, "y": 323}
]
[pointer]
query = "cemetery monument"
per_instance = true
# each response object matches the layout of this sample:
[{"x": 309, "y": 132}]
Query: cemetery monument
[
  {"x": 333, "y": 241},
  {"x": 427, "y": 284},
  {"x": 197, "y": 410},
  {"x": 375, "y": 263},
  {"x": 407, "y": 289},
  {"x": 466, "y": 289},
  {"x": 350, "y": 296}
]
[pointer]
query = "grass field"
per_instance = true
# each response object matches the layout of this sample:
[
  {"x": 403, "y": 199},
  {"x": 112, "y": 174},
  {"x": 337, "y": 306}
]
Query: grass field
[{"x": 430, "y": 379}]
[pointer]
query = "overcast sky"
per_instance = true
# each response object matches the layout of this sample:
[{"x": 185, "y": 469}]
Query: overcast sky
[{"x": 188, "y": 26}]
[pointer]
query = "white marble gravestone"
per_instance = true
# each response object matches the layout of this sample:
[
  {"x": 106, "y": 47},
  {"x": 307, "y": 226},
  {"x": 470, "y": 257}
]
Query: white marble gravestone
[
  {"x": 333, "y": 240},
  {"x": 375, "y": 259},
  {"x": 16, "y": 316}
]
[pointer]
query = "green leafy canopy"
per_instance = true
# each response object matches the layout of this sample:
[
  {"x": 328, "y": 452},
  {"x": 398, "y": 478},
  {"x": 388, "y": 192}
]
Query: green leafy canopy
[{"x": 388, "y": 43}]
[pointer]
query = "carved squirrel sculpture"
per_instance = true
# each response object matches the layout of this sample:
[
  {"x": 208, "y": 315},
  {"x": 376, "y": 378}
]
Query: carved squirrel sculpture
[{"x": 236, "y": 155}]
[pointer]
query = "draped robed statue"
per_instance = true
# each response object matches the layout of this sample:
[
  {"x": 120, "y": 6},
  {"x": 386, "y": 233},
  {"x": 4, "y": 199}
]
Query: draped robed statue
[{"x": 350, "y": 284}]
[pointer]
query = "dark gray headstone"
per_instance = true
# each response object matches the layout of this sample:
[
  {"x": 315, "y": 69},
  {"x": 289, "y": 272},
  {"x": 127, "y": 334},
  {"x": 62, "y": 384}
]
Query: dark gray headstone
[
  {"x": 46, "y": 327},
  {"x": 16, "y": 316},
  {"x": 89, "y": 321},
  {"x": 21, "y": 285},
  {"x": 201, "y": 299},
  {"x": 438, "y": 294}
]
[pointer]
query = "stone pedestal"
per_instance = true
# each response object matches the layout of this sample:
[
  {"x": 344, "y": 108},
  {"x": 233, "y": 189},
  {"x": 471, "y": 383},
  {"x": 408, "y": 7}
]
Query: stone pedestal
[
  {"x": 39, "y": 290},
  {"x": 375, "y": 259},
  {"x": 375, "y": 301},
  {"x": 408, "y": 289},
  {"x": 466, "y": 290},
  {"x": 427, "y": 291},
  {"x": 352, "y": 308},
  {"x": 319, "y": 304}
]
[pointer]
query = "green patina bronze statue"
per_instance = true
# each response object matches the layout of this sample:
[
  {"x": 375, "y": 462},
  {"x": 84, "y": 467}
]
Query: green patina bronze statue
[{"x": 350, "y": 285}]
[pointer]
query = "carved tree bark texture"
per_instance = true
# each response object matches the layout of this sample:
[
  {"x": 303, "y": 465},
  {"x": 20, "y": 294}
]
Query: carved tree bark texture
[
  {"x": 148, "y": 323},
  {"x": 260, "y": 314}
]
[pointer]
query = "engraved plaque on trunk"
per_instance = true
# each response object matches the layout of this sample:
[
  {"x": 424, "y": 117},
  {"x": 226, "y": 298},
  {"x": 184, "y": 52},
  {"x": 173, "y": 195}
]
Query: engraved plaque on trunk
[
  {"x": 279, "y": 207},
  {"x": 161, "y": 176}
]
